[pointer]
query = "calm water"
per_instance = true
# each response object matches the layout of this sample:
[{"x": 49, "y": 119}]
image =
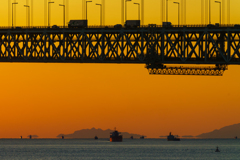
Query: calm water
[{"x": 146, "y": 149}]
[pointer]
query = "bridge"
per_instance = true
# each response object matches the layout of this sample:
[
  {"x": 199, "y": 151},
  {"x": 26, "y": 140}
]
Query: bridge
[{"x": 160, "y": 48}]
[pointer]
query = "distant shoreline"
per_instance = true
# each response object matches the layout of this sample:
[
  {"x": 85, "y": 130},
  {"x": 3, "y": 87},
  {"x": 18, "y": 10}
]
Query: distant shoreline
[{"x": 108, "y": 138}]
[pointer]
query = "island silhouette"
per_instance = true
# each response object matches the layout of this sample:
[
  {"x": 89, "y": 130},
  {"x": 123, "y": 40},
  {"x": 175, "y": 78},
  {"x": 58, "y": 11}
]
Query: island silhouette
[
  {"x": 91, "y": 133},
  {"x": 231, "y": 131}
]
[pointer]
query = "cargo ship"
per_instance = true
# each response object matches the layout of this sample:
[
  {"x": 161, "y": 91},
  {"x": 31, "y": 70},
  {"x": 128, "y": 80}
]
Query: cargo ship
[
  {"x": 115, "y": 136},
  {"x": 172, "y": 138}
]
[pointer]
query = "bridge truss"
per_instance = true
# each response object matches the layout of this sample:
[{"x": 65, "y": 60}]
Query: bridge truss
[{"x": 156, "y": 47}]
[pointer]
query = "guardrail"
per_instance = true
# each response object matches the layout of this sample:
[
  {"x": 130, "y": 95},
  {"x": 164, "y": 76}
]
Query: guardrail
[{"x": 112, "y": 26}]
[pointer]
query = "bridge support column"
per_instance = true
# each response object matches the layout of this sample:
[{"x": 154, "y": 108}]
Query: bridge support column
[{"x": 222, "y": 43}]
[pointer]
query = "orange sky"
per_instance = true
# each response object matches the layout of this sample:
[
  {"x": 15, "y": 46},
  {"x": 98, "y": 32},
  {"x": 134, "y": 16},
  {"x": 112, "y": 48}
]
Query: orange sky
[
  {"x": 49, "y": 99},
  {"x": 113, "y": 10}
]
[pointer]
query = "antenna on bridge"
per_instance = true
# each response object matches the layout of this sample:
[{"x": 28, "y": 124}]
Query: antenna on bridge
[
  {"x": 83, "y": 9},
  {"x": 122, "y": 11},
  {"x": 31, "y": 12},
  {"x": 181, "y": 11},
  {"x": 9, "y": 13},
  {"x": 27, "y": 10},
  {"x": 206, "y": 11},
  {"x": 45, "y": 12},
  {"x": 14, "y": 13},
  {"x": 184, "y": 11},
  {"x": 223, "y": 12},
  {"x": 228, "y": 11},
  {"x": 66, "y": 3},
  {"x": 103, "y": 12},
  {"x": 142, "y": 7},
  {"x": 202, "y": 11},
  {"x": 163, "y": 11}
]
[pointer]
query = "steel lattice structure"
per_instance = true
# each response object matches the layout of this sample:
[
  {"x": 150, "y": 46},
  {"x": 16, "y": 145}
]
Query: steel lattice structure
[{"x": 146, "y": 45}]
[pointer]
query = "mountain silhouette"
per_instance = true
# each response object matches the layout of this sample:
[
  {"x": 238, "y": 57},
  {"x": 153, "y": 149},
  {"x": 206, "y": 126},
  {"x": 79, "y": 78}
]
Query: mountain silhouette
[
  {"x": 225, "y": 132},
  {"x": 91, "y": 133}
]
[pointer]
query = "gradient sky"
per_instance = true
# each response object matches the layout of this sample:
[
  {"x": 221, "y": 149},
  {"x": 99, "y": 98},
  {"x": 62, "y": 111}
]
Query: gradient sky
[{"x": 49, "y": 99}]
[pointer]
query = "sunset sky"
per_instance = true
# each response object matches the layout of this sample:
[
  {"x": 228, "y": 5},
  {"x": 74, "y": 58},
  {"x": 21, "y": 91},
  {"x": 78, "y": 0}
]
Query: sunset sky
[{"x": 48, "y": 99}]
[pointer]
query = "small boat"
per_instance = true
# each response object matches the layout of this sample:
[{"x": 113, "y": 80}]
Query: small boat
[
  {"x": 172, "y": 138},
  {"x": 131, "y": 137},
  {"x": 96, "y": 137},
  {"x": 235, "y": 137},
  {"x": 62, "y": 137},
  {"x": 217, "y": 150},
  {"x": 115, "y": 136},
  {"x": 142, "y": 137}
]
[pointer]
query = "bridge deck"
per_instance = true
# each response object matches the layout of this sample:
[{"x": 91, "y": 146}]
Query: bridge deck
[{"x": 149, "y": 45}]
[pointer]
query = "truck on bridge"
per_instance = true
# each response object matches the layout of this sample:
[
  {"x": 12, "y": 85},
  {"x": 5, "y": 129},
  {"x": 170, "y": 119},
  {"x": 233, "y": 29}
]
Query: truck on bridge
[
  {"x": 166, "y": 24},
  {"x": 78, "y": 24},
  {"x": 132, "y": 23}
]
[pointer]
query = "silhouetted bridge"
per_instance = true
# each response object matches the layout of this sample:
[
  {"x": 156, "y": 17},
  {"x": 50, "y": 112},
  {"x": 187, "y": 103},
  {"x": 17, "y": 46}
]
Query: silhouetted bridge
[{"x": 152, "y": 45}]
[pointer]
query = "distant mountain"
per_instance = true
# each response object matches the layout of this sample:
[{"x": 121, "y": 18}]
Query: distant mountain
[
  {"x": 91, "y": 133},
  {"x": 225, "y": 132}
]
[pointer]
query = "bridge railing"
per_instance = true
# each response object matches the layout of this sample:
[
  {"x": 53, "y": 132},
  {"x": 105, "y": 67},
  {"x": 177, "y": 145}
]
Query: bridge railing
[{"x": 112, "y": 26}]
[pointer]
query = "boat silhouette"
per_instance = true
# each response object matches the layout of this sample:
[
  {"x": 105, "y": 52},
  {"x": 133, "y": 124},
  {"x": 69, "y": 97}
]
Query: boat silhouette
[
  {"x": 115, "y": 136},
  {"x": 172, "y": 138}
]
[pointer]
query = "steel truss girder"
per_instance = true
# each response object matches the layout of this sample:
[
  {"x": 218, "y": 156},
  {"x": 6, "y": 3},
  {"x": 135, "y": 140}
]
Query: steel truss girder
[
  {"x": 161, "y": 69},
  {"x": 139, "y": 45},
  {"x": 185, "y": 72}
]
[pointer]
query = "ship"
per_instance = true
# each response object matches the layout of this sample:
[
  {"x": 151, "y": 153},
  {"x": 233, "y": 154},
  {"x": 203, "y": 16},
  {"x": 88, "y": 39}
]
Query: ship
[
  {"x": 96, "y": 137},
  {"x": 115, "y": 136},
  {"x": 131, "y": 137},
  {"x": 172, "y": 138},
  {"x": 142, "y": 137}
]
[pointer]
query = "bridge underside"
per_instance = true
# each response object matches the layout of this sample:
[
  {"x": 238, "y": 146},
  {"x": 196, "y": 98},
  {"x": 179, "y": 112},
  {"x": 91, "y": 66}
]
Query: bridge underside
[{"x": 150, "y": 45}]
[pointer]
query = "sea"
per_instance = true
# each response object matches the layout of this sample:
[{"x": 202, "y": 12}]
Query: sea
[{"x": 129, "y": 149}]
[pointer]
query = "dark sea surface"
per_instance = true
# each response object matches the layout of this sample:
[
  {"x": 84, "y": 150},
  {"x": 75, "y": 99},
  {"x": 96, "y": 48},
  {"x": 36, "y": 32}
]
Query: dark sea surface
[{"x": 142, "y": 149}]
